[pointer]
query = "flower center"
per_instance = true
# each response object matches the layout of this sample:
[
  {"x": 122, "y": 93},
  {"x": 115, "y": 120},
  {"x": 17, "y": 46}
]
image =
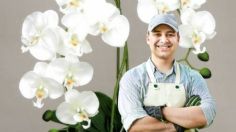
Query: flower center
[
  {"x": 196, "y": 39},
  {"x": 185, "y": 2},
  {"x": 103, "y": 28},
  {"x": 74, "y": 3},
  {"x": 34, "y": 40},
  {"x": 164, "y": 9},
  {"x": 40, "y": 93},
  {"x": 81, "y": 115},
  {"x": 69, "y": 81},
  {"x": 74, "y": 41}
]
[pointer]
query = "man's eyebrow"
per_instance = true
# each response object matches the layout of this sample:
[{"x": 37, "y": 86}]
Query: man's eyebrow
[{"x": 169, "y": 31}]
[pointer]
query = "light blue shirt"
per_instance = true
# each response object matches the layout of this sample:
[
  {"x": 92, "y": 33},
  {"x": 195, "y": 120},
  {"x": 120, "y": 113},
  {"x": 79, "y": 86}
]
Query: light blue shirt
[{"x": 134, "y": 84}]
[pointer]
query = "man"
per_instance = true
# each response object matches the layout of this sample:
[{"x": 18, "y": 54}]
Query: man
[{"x": 163, "y": 85}]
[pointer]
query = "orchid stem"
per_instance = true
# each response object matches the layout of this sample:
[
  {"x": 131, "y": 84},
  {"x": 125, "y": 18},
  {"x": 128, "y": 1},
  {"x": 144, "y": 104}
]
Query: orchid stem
[
  {"x": 117, "y": 62},
  {"x": 119, "y": 72},
  {"x": 185, "y": 59},
  {"x": 116, "y": 88}
]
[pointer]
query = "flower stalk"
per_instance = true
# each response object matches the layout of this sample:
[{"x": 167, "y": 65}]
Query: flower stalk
[
  {"x": 116, "y": 88},
  {"x": 185, "y": 59},
  {"x": 120, "y": 69}
]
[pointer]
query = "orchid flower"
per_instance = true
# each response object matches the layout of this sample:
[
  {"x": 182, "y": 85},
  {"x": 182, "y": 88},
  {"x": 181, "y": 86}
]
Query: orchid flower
[
  {"x": 195, "y": 29},
  {"x": 39, "y": 34},
  {"x": 70, "y": 74},
  {"x": 194, "y": 4},
  {"x": 113, "y": 26},
  {"x": 80, "y": 6},
  {"x": 34, "y": 85},
  {"x": 148, "y": 8},
  {"x": 73, "y": 44},
  {"x": 78, "y": 107}
]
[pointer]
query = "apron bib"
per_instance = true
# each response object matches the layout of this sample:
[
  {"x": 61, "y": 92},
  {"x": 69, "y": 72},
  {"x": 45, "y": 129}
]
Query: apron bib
[{"x": 169, "y": 94}]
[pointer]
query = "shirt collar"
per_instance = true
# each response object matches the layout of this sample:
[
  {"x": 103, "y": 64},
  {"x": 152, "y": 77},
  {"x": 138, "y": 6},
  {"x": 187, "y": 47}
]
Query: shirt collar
[{"x": 155, "y": 69}]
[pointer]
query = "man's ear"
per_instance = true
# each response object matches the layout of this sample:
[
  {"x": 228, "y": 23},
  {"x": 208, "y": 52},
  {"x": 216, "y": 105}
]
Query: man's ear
[
  {"x": 178, "y": 36},
  {"x": 147, "y": 37}
]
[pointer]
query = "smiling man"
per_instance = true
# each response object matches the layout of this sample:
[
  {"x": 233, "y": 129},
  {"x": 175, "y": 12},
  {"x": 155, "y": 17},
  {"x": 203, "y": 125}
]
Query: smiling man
[{"x": 153, "y": 95}]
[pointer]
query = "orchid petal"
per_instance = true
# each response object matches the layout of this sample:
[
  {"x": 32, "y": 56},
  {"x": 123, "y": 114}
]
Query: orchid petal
[
  {"x": 187, "y": 15},
  {"x": 38, "y": 104},
  {"x": 185, "y": 32},
  {"x": 83, "y": 73},
  {"x": 52, "y": 18},
  {"x": 204, "y": 21},
  {"x": 119, "y": 32},
  {"x": 40, "y": 68},
  {"x": 65, "y": 112},
  {"x": 71, "y": 95},
  {"x": 86, "y": 47},
  {"x": 146, "y": 10},
  {"x": 107, "y": 11},
  {"x": 88, "y": 124},
  {"x": 28, "y": 84},
  {"x": 90, "y": 102},
  {"x": 57, "y": 69},
  {"x": 195, "y": 4},
  {"x": 76, "y": 23},
  {"x": 94, "y": 29},
  {"x": 46, "y": 47},
  {"x": 198, "y": 50},
  {"x": 54, "y": 88},
  {"x": 71, "y": 58}
]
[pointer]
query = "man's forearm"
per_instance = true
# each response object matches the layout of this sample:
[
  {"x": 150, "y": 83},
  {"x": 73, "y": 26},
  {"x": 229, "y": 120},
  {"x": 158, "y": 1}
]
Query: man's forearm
[
  {"x": 188, "y": 117},
  {"x": 150, "y": 124}
]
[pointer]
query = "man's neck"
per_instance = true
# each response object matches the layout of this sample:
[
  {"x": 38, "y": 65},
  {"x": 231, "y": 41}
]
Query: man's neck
[{"x": 163, "y": 65}]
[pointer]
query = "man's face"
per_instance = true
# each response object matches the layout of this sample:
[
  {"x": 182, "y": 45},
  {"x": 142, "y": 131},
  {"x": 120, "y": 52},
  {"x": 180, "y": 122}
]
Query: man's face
[{"x": 163, "y": 41}]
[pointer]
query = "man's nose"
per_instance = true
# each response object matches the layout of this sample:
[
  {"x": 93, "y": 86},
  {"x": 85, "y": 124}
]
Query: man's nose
[{"x": 163, "y": 39}]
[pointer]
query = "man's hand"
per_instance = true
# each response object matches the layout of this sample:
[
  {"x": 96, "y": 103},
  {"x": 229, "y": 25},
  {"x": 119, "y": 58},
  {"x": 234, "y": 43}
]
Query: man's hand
[
  {"x": 179, "y": 128},
  {"x": 155, "y": 111}
]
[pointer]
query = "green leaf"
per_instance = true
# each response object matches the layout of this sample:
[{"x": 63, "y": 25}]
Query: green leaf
[
  {"x": 50, "y": 115},
  {"x": 205, "y": 72},
  {"x": 56, "y": 130},
  {"x": 203, "y": 56}
]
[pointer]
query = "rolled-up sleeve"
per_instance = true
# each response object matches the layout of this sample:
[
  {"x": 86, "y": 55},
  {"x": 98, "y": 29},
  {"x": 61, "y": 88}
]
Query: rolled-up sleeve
[
  {"x": 129, "y": 100},
  {"x": 208, "y": 105}
]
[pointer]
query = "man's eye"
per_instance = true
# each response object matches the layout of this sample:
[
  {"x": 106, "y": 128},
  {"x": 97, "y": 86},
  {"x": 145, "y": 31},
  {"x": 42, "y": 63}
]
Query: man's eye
[
  {"x": 157, "y": 34},
  {"x": 170, "y": 35}
]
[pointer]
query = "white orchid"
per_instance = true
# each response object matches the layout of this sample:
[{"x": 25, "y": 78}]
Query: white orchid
[
  {"x": 70, "y": 74},
  {"x": 39, "y": 34},
  {"x": 194, "y": 4},
  {"x": 148, "y": 8},
  {"x": 80, "y": 6},
  {"x": 195, "y": 29},
  {"x": 73, "y": 44},
  {"x": 113, "y": 26},
  {"x": 34, "y": 85},
  {"x": 78, "y": 107}
]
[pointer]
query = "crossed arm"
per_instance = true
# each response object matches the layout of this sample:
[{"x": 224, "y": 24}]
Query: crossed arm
[
  {"x": 188, "y": 117},
  {"x": 151, "y": 124}
]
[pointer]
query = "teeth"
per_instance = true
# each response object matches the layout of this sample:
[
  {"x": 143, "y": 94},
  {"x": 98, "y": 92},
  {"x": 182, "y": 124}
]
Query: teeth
[{"x": 167, "y": 46}]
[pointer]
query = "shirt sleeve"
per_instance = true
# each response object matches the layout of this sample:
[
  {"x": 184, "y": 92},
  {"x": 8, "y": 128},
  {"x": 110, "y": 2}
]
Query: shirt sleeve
[
  {"x": 208, "y": 106},
  {"x": 129, "y": 100}
]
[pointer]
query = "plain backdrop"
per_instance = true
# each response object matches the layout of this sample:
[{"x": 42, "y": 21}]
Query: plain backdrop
[{"x": 17, "y": 114}]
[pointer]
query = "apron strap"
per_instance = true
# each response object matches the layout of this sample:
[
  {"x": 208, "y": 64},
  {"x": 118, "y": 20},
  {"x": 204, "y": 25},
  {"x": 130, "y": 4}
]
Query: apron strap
[
  {"x": 150, "y": 72},
  {"x": 177, "y": 78}
]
